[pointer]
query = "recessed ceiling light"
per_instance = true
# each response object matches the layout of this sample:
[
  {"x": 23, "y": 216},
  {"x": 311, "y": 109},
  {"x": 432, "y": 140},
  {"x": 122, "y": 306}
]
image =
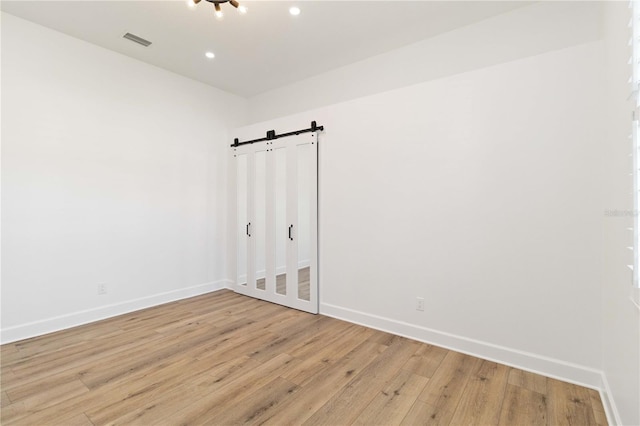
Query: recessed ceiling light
[
  {"x": 295, "y": 11},
  {"x": 210, "y": 55}
]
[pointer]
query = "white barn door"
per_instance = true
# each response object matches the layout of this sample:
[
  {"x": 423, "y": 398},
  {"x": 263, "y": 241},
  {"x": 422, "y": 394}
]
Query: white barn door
[{"x": 276, "y": 213}]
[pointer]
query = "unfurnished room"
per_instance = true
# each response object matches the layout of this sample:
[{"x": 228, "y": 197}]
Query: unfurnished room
[{"x": 221, "y": 212}]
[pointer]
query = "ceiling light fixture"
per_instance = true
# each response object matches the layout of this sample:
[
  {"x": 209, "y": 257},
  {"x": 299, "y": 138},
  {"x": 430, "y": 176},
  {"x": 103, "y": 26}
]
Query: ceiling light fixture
[
  {"x": 216, "y": 6},
  {"x": 218, "y": 11},
  {"x": 210, "y": 55},
  {"x": 295, "y": 11}
]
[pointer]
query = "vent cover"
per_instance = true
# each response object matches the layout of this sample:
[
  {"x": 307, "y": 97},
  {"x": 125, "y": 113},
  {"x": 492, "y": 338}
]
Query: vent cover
[{"x": 137, "y": 39}]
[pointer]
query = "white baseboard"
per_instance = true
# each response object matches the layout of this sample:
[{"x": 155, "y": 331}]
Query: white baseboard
[
  {"x": 550, "y": 367},
  {"x": 49, "y": 325},
  {"x": 610, "y": 409}
]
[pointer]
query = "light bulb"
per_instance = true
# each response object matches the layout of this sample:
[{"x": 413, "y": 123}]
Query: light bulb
[
  {"x": 210, "y": 55},
  {"x": 295, "y": 11},
  {"x": 219, "y": 13},
  {"x": 243, "y": 9},
  {"x": 191, "y": 4}
]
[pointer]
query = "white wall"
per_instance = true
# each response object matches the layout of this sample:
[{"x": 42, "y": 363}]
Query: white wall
[
  {"x": 480, "y": 191},
  {"x": 621, "y": 319},
  {"x": 518, "y": 34},
  {"x": 490, "y": 206},
  {"x": 113, "y": 171}
]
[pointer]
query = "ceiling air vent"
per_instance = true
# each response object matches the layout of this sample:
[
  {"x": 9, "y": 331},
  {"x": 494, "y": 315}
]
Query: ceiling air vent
[{"x": 137, "y": 39}]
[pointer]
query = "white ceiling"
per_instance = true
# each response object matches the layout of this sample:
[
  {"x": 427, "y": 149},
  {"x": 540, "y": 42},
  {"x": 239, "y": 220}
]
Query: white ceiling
[{"x": 262, "y": 50}]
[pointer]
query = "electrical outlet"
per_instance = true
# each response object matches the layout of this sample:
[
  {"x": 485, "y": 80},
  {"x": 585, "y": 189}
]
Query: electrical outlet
[
  {"x": 420, "y": 304},
  {"x": 102, "y": 289}
]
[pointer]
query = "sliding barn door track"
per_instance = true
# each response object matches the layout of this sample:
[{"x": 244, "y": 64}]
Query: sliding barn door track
[{"x": 271, "y": 135}]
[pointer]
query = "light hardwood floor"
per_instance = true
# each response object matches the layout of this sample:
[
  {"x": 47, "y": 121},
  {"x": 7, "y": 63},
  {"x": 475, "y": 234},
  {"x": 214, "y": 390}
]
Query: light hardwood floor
[{"x": 223, "y": 358}]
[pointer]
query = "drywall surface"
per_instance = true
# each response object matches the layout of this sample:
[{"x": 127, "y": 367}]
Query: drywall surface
[
  {"x": 621, "y": 318},
  {"x": 480, "y": 192},
  {"x": 113, "y": 172},
  {"x": 521, "y": 33}
]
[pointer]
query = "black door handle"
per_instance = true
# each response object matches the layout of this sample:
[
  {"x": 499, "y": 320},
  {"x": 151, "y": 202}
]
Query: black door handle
[
  {"x": 248, "y": 224},
  {"x": 290, "y": 228}
]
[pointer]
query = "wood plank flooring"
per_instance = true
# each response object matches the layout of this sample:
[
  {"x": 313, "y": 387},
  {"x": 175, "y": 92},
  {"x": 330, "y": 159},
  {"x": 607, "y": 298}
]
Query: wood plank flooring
[{"x": 225, "y": 359}]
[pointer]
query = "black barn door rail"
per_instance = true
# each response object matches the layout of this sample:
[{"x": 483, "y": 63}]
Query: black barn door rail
[{"x": 271, "y": 135}]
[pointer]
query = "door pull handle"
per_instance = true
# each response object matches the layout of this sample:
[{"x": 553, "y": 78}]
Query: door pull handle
[
  {"x": 290, "y": 236},
  {"x": 248, "y": 225}
]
